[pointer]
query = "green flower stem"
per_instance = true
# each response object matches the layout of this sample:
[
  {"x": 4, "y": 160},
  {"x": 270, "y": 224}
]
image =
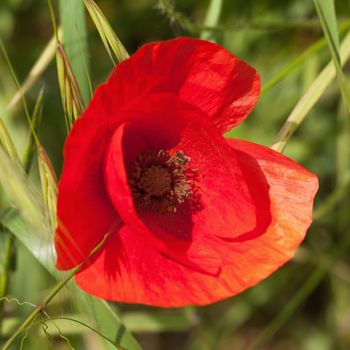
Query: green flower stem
[{"x": 40, "y": 308}]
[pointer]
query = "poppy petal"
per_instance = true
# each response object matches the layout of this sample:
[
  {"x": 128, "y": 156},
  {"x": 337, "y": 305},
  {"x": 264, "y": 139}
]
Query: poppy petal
[
  {"x": 129, "y": 270},
  {"x": 227, "y": 204},
  {"x": 199, "y": 72},
  {"x": 289, "y": 183},
  {"x": 84, "y": 211},
  {"x": 197, "y": 255}
]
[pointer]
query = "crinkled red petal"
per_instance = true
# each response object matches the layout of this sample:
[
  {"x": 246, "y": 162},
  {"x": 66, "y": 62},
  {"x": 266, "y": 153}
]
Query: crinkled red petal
[
  {"x": 227, "y": 205},
  {"x": 84, "y": 211},
  {"x": 173, "y": 235},
  {"x": 129, "y": 270},
  {"x": 199, "y": 72}
]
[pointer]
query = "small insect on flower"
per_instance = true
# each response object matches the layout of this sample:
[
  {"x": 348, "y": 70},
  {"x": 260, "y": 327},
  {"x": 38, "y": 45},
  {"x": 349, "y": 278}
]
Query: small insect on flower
[{"x": 187, "y": 215}]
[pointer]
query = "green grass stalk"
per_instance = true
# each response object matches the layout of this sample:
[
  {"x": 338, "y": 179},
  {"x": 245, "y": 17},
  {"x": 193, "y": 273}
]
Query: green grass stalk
[{"x": 39, "y": 309}]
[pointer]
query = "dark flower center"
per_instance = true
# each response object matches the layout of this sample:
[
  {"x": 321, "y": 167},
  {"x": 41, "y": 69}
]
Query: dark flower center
[
  {"x": 160, "y": 181},
  {"x": 155, "y": 181}
]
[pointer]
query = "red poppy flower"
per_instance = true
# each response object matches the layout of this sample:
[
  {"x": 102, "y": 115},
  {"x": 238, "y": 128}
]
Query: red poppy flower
[{"x": 188, "y": 216}]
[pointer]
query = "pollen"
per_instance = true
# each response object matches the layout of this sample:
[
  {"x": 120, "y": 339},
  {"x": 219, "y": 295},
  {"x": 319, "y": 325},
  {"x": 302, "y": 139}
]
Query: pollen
[
  {"x": 161, "y": 181},
  {"x": 156, "y": 181}
]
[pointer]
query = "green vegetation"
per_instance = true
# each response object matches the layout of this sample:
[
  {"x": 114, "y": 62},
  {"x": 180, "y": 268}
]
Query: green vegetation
[{"x": 301, "y": 50}]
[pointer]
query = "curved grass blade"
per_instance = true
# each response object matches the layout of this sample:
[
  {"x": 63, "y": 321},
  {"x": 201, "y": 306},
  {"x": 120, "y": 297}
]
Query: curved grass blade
[
  {"x": 211, "y": 20},
  {"x": 30, "y": 226},
  {"x": 326, "y": 13},
  {"x": 36, "y": 118},
  {"x": 106, "y": 320},
  {"x": 10, "y": 257},
  {"x": 7, "y": 143},
  {"x": 49, "y": 189},
  {"x": 37, "y": 70},
  {"x": 21, "y": 192},
  {"x": 313, "y": 49},
  {"x": 40, "y": 309},
  {"x": 15, "y": 79},
  {"x": 72, "y": 100},
  {"x": 108, "y": 36},
  {"x": 309, "y": 99},
  {"x": 29, "y": 321},
  {"x": 27, "y": 222},
  {"x": 72, "y": 16},
  {"x": 80, "y": 325}
]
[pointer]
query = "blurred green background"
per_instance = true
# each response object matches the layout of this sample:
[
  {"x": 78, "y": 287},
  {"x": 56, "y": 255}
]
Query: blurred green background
[{"x": 306, "y": 304}]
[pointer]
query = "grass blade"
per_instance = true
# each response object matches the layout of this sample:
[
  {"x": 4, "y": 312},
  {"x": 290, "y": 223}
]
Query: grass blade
[
  {"x": 15, "y": 79},
  {"x": 107, "y": 321},
  {"x": 309, "y": 99},
  {"x": 313, "y": 49},
  {"x": 326, "y": 13},
  {"x": 30, "y": 226},
  {"x": 72, "y": 100},
  {"x": 36, "y": 118},
  {"x": 49, "y": 189},
  {"x": 109, "y": 37},
  {"x": 10, "y": 255},
  {"x": 7, "y": 143},
  {"x": 21, "y": 192},
  {"x": 72, "y": 16},
  {"x": 212, "y": 19},
  {"x": 37, "y": 70},
  {"x": 38, "y": 310},
  {"x": 40, "y": 245},
  {"x": 75, "y": 325}
]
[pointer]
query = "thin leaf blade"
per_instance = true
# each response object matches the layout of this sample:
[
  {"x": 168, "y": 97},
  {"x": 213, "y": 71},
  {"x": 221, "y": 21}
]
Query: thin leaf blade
[
  {"x": 72, "y": 15},
  {"x": 309, "y": 99},
  {"x": 211, "y": 20},
  {"x": 107, "y": 34},
  {"x": 326, "y": 13}
]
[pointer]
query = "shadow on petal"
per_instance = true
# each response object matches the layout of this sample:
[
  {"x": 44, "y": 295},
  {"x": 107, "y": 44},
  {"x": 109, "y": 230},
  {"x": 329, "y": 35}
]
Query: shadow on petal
[{"x": 258, "y": 189}]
